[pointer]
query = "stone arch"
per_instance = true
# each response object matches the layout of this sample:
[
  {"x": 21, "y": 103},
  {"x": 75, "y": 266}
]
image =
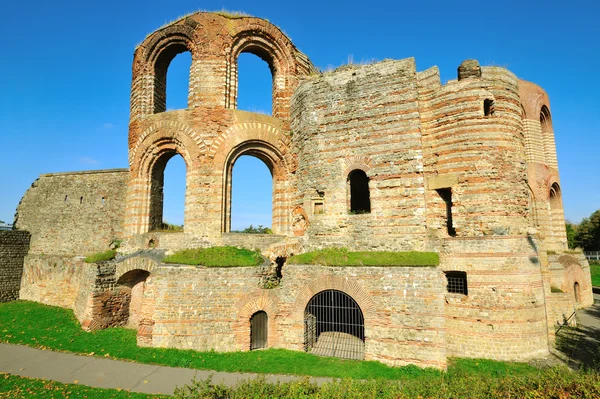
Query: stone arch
[
  {"x": 267, "y": 42},
  {"x": 360, "y": 162},
  {"x": 160, "y": 49},
  {"x": 148, "y": 158},
  {"x": 266, "y": 143},
  {"x": 343, "y": 284},
  {"x": 135, "y": 263},
  {"x": 251, "y": 303}
]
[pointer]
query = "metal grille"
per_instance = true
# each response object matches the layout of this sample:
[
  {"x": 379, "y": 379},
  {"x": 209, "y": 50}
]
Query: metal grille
[
  {"x": 259, "y": 330},
  {"x": 457, "y": 282},
  {"x": 334, "y": 326}
]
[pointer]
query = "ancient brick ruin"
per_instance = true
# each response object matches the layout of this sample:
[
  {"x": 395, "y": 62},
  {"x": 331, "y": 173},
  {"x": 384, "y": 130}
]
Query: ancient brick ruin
[{"x": 367, "y": 157}]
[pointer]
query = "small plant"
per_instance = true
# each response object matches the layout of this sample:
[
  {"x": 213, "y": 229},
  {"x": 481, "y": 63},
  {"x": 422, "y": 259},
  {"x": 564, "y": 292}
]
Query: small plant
[
  {"x": 551, "y": 252},
  {"x": 101, "y": 256},
  {"x": 555, "y": 289}
]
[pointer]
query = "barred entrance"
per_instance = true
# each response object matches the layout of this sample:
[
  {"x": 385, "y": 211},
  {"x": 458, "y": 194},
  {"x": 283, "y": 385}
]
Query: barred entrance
[
  {"x": 334, "y": 326},
  {"x": 259, "y": 330}
]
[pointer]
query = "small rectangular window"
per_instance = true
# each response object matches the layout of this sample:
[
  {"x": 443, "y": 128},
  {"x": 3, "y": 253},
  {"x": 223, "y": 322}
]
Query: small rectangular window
[
  {"x": 318, "y": 209},
  {"x": 457, "y": 282},
  {"x": 488, "y": 107}
]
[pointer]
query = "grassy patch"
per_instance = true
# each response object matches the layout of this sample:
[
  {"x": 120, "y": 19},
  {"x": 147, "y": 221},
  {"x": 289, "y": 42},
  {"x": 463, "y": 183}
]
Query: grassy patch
[
  {"x": 555, "y": 289},
  {"x": 12, "y": 386},
  {"x": 595, "y": 270},
  {"x": 341, "y": 257},
  {"x": 216, "y": 257},
  {"x": 101, "y": 256}
]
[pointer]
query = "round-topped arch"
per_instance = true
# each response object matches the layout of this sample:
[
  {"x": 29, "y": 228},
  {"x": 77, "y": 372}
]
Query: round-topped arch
[
  {"x": 148, "y": 159},
  {"x": 267, "y": 143},
  {"x": 151, "y": 62}
]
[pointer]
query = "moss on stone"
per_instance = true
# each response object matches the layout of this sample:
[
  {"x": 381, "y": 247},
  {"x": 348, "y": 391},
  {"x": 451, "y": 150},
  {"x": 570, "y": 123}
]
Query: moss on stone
[
  {"x": 342, "y": 257},
  {"x": 101, "y": 256},
  {"x": 216, "y": 257}
]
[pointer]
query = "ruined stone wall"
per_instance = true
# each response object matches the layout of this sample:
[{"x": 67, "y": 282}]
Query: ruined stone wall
[
  {"x": 360, "y": 118},
  {"x": 473, "y": 142},
  {"x": 76, "y": 213},
  {"x": 567, "y": 269},
  {"x": 504, "y": 314},
  {"x": 58, "y": 280},
  {"x": 210, "y": 308},
  {"x": 14, "y": 245}
]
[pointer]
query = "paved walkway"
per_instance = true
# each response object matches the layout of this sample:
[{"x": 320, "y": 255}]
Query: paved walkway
[{"x": 107, "y": 373}]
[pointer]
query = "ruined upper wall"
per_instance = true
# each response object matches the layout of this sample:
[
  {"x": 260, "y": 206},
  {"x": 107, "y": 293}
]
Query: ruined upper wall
[
  {"x": 13, "y": 248},
  {"x": 361, "y": 118},
  {"x": 76, "y": 213},
  {"x": 473, "y": 141},
  {"x": 215, "y": 41}
]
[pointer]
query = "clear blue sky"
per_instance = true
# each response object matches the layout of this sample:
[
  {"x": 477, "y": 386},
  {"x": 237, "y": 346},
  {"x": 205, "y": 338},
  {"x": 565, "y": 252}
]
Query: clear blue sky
[{"x": 65, "y": 76}]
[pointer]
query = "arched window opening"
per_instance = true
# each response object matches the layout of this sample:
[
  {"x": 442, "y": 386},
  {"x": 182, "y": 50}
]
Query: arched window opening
[
  {"x": 554, "y": 197},
  {"x": 255, "y": 84},
  {"x": 360, "y": 198},
  {"x": 545, "y": 120},
  {"x": 130, "y": 294},
  {"x": 167, "y": 193},
  {"x": 576, "y": 292},
  {"x": 173, "y": 67},
  {"x": 252, "y": 196},
  {"x": 334, "y": 326},
  {"x": 259, "y": 330}
]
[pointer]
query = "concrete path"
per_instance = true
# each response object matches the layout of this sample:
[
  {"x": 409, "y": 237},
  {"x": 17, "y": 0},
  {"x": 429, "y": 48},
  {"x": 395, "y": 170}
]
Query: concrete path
[
  {"x": 107, "y": 373},
  {"x": 581, "y": 346}
]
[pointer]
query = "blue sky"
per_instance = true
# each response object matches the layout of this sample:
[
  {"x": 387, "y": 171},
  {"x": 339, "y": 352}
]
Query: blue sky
[{"x": 65, "y": 77}]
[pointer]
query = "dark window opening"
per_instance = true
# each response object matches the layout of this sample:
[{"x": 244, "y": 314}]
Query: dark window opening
[
  {"x": 488, "y": 107},
  {"x": 280, "y": 261},
  {"x": 554, "y": 196},
  {"x": 334, "y": 326},
  {"x": 255, "y": 84},
  {"x": 360, "y": 198},
  {"x": 446, "y": 195},
  {"x": 576, "y": 292},
  {"x": 259, "y": 330},
  {"x": 66, "y": 198},
  {"x": 457, "y": 282},
  {"x": 103, "y": 200},
  {"x": 151, "y": 243},
  {"x": 80, "y": 200}
]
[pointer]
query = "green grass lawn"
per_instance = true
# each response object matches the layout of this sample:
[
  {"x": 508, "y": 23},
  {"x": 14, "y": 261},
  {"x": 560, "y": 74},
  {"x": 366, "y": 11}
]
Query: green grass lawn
[
  {"x": 48, "y": 327},
  {"x": 342, "y": 257},
  {"x": 595, "y": 270},
  {"x": 15, "y": 387},
  {"x": 216, "y": 257},
  {"x": 101, "y": 256}
]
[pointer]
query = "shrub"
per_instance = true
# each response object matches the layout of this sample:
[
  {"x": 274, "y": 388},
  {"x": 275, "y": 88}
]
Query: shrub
[
  {"x": 342, "y": 257},
  {"x": 101, "y": 256},
  {"x": 216, "y": 257}
]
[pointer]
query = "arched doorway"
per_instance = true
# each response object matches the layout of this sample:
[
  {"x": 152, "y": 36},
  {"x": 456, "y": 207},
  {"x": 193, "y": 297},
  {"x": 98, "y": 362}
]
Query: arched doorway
[
  {"x": 334, "y": 326},
  {"x": 259, "y": 330},
  {"x": 131, "y": 290}
]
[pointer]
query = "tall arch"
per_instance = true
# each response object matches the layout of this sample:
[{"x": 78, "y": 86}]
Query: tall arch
[
  {"x": 151, "y": 61},
  {"x": 557, "y": 229}
]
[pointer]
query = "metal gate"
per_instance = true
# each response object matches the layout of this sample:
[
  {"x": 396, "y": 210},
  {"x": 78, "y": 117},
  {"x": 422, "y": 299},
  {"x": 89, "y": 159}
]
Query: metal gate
[
  {"x": 334, "y": 326},
  {"x": 259, "y": 330}
]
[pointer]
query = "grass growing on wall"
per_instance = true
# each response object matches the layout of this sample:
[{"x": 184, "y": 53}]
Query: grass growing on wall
[
  {"x": 595, "y": 270},
  {"x": 101, "y": 256},
  {"x": 54, "y": 328},
  {"x": 342, "y": 257},
  {"x": 216, "y": 257},
  {"x": 15, "y": 387}
]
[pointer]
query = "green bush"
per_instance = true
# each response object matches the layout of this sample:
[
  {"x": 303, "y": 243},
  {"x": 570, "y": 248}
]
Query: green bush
[
  {"x": 342, "y": 257},
  {"x": 595, "y": 270},
  {"x": 557, "y": 382},
  {"x": 101, "y": 256},
  {"x": 216, "y": 257}
]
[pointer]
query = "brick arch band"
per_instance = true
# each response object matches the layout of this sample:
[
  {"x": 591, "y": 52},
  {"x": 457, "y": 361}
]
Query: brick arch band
[
  {"x": 256, "y": 301},
  {"x": 343, "y": 284},
  {"x": 267, "y": 143}
]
